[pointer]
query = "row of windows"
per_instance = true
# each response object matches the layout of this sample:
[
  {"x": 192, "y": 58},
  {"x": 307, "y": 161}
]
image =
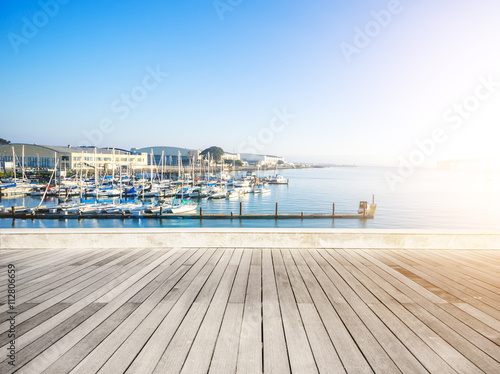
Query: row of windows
[
  {"x": 49, "y": 162},
  {"x": 117, "y": 159}
]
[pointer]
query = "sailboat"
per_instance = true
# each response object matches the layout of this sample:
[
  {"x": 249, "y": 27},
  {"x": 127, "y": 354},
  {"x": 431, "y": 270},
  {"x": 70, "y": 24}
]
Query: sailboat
[{"x": 182, "y": 206}]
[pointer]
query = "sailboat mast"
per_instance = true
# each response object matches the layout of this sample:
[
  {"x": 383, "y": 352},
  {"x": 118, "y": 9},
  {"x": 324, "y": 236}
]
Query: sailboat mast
[
  {"x": 113, "y": 164},
  {"x": 96, "y": 174},
  {"x": 162, "y": 163},
  {"x": 14, "y": 163},
  {"x": 22, "y": 163}
]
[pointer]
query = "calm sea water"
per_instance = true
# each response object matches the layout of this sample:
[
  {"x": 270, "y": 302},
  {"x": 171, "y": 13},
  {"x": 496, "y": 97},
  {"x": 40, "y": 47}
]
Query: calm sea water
[{"x": 429, "y": 199}]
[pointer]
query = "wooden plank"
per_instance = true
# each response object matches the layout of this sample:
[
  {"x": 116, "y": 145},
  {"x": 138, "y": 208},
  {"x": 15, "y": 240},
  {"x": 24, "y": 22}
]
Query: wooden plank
[
  {"x": 299, "y": 289},
  {"x": 177, "y": 350},
  {"x": 325, "y": 355},
  {"x": 198, "y": 359},
  {"x": 318, "y": 285},
  {"x": 299, "y": 350},
  {"x": 239, "y": 290},
  {"x": 275, "y": 351},
  {"x": 225, "y": 357},
  {"x": 250, "y": 349}
]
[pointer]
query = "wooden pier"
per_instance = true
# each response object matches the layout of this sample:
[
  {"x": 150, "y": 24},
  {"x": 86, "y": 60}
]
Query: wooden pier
[
  {"x": 367, "y": 214},
  {"x": 186, "y": 216},
  {"x": 252, "y": 310}
]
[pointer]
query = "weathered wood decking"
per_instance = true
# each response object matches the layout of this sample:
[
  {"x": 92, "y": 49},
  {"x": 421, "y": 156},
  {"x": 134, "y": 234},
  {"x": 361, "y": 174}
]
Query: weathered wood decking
[{"x": 253, "y": 310}]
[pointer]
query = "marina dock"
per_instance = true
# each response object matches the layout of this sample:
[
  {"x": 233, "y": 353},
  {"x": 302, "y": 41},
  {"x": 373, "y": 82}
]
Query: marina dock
[
  {"x": 368, "y": 213},
  {"x": 186, "y": 216},
  {"x": 252, "y": 301}
]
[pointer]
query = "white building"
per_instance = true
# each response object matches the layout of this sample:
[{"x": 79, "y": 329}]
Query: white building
[
  {"x": 44, "y": 157},
  {"x": 254, "y": 159},
  {"x": 230, "y": 156}
]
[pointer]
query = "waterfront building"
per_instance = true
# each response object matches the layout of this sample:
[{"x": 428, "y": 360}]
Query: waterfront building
[
  {"x": 170, "y": 155},
  {"x": 44, "y": 157},
  {"x": 231, "y": 156},
  {"x": 259, "y": 160}
]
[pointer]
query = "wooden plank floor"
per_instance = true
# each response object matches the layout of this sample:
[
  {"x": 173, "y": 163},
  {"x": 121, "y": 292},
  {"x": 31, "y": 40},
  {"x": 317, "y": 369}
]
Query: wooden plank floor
[{"x": 227, "y": 310}]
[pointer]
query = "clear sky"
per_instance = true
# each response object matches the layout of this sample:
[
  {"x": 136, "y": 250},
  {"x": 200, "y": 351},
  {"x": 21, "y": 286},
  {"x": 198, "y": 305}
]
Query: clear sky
[{"x": 321, "y": 81}]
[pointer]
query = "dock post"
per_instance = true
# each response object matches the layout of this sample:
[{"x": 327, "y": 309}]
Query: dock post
[
  {"x": 287, "y": 182},
  {"x": 86, "y": 193},
  {"x": 333, "y": 209},
  {"x": 231, "y": 216},
  {"x": 13, "y": 212},
  {"x": 373, "y": 199},
  {"x": 201, "y": 211},
  {"x": 276, "y": 214},
  {"x": 241, "y": 208},
  {"x": 161, "y": 211},
  {"x": 301, "y": 216}
]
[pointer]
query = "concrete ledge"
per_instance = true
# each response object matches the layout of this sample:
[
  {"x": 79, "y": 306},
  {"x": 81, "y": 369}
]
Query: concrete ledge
[{"x": 244, "y": 238}]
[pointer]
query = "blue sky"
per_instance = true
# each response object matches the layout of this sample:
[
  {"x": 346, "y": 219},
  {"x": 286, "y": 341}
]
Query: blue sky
[{"x": 267, "y": 76}]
